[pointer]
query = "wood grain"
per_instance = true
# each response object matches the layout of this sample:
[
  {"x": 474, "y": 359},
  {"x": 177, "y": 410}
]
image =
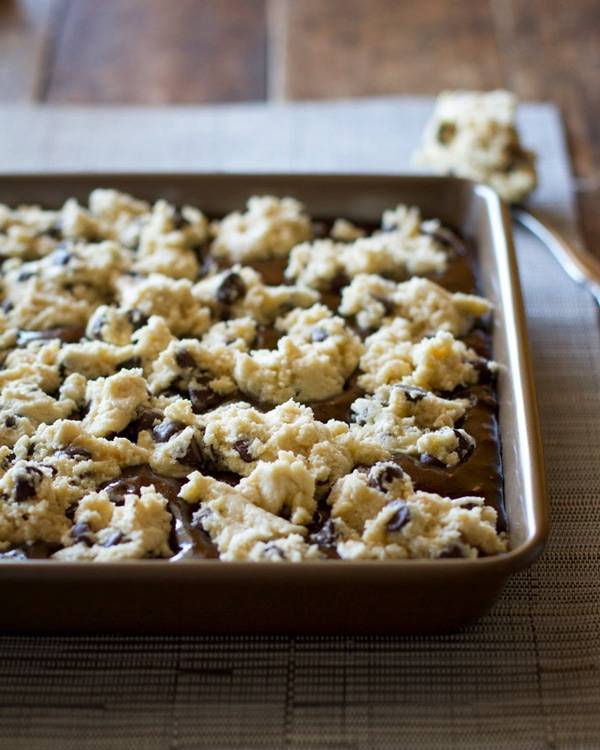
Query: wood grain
[
  {"x": 158, "y": 52},
  {"x": 551, "y": 50},
  {"x": 25, "y": 37},
  {"x": 343, "y": 48},
  {"x": 588, "y": 201}
]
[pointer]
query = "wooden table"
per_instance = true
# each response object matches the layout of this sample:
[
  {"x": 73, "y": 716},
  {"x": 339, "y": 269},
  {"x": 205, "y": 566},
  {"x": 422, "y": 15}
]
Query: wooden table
[{"x": 194, "y": 51}]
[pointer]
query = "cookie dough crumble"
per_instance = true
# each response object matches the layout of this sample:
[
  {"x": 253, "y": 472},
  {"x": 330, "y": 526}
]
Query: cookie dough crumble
[{"x": 473, "y": 134}]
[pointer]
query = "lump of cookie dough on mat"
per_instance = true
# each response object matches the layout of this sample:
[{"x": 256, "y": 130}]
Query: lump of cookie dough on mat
[
  {"x": 473, "y": 134},
  {"x": 269, "y": 228}
]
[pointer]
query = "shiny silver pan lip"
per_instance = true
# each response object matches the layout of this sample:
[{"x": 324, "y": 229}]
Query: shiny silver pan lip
[{"x": 471, "y": 207}]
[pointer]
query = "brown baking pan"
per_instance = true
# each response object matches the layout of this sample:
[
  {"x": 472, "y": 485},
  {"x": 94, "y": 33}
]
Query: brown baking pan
[{"x": 406, "y": 596}]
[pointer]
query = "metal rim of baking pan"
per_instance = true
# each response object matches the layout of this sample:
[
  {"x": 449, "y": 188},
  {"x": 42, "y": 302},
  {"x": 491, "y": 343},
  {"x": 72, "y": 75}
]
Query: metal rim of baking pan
[{"x": 313, "y": 572}]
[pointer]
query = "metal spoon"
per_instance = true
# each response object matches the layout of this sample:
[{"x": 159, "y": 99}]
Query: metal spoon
[{"x": 580, "y": 265}]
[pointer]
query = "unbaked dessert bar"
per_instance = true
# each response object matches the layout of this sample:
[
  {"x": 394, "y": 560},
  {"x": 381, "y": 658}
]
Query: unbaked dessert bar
[{"x": 263, "y": 386}]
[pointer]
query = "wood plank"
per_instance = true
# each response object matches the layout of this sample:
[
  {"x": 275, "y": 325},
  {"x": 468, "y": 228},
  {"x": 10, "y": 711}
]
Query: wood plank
[
  {"x": 551, "y": 50},
  {"x": 588, "y": 200},
  {"x": 25, "y": 38},
  {"x": 343, "y": 48},
  {"x": 157, "y": 52}
]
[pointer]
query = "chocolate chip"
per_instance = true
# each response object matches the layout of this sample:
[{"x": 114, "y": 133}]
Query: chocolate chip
[
  {"x": 137, "y": 318},
  {"x": 61, "y": 256},
  {"x": 326, "y": 535},
  {"x": 27, "y": 483},
  {"x": 10, "y": 421},
  {"x": 146, "y": 419},
  {"x": 178, "y": 220},
  {"x": 243, "y": 449},
  {"x": 412, "y": 393},
  {"x": 446, "y": 237},
  {"x": 26, "y": 275},
  {"x": 184, "y": 358},
  {"x": 320, "y": 229},
  {"x": 113, "y": 539},
  {"x": 383, "y": 474},
  {"x": 129, "y": 364},
  {"x": 81, "y": 532},
  {"x": 73, "y": 451},
  {"x": 338, "y": 281},
  {"x": 401, "y": 516},
  {"x": 446, "y": 132},
  {"x": 7, "y": 306},
  {"x": 271, "y": 548},
  {"x": 318, "y": 334},
  {"x": 465, "y": 445},
  {"x": 452, "y": 550},
  {"x": 119, "y": 488},
  {"x": 70, "y": 511},
  {"x": 428, "y": 460},
  {"x": 163, "y": 432},
  {"x": 207, "y": 264},
  {"x": 68, "y": 334},
  {"x": 55, "y": 231},
  {"x": 193, "y": 456},
  {"x": 231, "y": 289},
  {"x": 13, "y": 554},
  {"x": 95, "y": 331},
  {"x": 485, "y": 375},
  {"x": 203, "y": 398},
  {"x": 388, "y": 306}
]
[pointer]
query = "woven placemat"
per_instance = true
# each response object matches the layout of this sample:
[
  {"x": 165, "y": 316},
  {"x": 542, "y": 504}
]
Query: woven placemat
[{"x": 526, "y": 676}]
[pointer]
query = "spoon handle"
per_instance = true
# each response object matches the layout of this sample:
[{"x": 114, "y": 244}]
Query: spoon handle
[{"x": 580, "y": 265}]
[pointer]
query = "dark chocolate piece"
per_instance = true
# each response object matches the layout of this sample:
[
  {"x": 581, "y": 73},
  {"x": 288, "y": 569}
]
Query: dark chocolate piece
[
  {"x": 383, "y": 474},
  {"x": 401, "y": 516},
  {"x": 163, "y": 432},
  {"x": 243, "y": 448},
  {"x": 231, "y": 289}
]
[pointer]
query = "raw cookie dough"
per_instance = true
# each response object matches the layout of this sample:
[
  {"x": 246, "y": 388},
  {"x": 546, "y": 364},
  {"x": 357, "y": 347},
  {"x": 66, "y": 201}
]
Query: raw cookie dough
[
  {"x": 473, "y": 134},
  {"x": 406, "y": 419},
  {"x": 269, "y": 228},
  {"x": 378, "y": 514},
  {"x": 325, "y": 263}
]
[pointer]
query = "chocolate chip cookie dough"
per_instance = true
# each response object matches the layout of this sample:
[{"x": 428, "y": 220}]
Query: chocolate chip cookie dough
[
  {"x": 258, "y": 387},
  {"x": 474, "y": 134}
]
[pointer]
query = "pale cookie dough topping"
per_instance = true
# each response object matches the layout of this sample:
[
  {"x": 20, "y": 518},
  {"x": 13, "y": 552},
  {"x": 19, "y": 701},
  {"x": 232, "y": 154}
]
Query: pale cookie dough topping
[
  {"x": 311, "y": 363},
  {"x": 439, "y": 363},
  {"x": 168, "y": 389},
  {"x": 406, "y": 247},
  {"x": 240, "y": 291},
  {"x": 238, "y": 435},
  {"x": 377, "y": 514},
  {"x": 407, "y": 419},
  {"x": 426, "y": 305},
  {"x": 473, "y": 134},
  {"x": 269, "y": 228}
]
